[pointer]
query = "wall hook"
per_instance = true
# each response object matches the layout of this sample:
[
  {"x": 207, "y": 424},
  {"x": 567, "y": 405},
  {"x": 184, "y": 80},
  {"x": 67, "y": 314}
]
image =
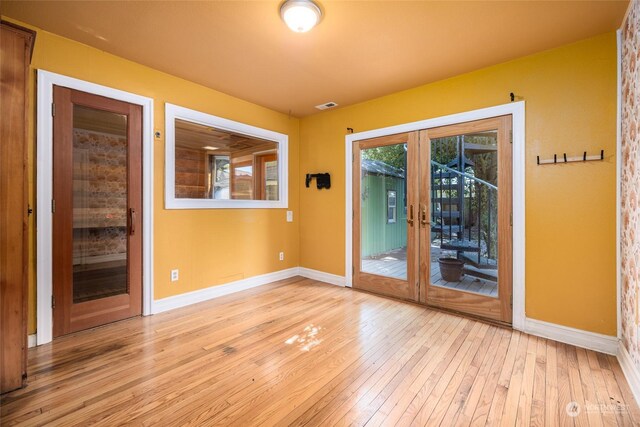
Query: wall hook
[
  {"x": 323, "y": 180},
  {"x": 583, "y": 158}
]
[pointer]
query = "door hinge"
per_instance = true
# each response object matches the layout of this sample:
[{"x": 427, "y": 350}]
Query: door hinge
[
  {"x": 53, "y": 110},
  {"x": 53, "y": 206},
  {"x": 511, "y": 301},
  {"x": 353, "y": 214},
  {"x": 353, "y": 269},
  {"x": 29, "y": 210},
  {"x": 511, "y": 136},
  {"x": 53, "y": 301},
  {"x": 511, "y": 219}
]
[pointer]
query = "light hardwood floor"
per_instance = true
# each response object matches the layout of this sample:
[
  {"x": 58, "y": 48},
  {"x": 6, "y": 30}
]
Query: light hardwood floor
[{"x": 301, "y": 352}]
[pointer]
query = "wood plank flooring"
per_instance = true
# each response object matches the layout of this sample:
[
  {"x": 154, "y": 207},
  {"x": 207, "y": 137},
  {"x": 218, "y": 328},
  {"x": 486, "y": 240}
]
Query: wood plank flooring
[{"x": 299, "y": 352}]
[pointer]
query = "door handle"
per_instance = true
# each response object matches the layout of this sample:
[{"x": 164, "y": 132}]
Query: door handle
[
  {"x": 423, "y": 215},
  {"x": 410, "y": 217},
  {"x": 132, "y": 219}
]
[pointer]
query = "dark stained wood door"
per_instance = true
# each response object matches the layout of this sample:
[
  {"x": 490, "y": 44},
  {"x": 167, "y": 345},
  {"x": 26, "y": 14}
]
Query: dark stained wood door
[
  {"x": 97, "y": 211},
  {"x": 15, "y": 51}
]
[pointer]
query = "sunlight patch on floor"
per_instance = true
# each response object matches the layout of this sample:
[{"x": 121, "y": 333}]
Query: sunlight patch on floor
[{"x": 307, "y": 339}]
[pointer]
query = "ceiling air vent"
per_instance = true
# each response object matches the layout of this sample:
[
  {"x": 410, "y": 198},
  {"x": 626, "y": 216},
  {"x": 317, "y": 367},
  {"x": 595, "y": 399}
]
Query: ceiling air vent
[{"x": 326, "y": 106}]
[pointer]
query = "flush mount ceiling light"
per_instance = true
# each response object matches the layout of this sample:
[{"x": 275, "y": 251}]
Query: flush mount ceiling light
[{"x": 300, "y": 15}]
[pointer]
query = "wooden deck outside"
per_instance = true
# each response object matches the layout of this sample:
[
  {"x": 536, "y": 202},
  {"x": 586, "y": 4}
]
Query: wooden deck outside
[
  {"x": 394, "y": 264},
  {"x": 299, "y": 352}
]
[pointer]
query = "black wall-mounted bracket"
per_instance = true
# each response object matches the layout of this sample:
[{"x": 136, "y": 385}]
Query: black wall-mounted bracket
[
  {"x": 323, "y": 180},
  {"x": 515, "y": 97}
]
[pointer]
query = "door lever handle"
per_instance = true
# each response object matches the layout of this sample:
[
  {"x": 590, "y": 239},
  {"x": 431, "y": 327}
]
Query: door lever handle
[
  {"x": 410, "y": 217},
  {"x": 132, "y": 219},
  {"x": 423, "y": 215}
]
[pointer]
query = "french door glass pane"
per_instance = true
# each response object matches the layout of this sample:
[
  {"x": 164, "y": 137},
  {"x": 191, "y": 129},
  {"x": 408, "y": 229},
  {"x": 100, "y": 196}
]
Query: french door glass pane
[
  {"x": 99, "y": 204},
  {"x": 383, "y": 201},
  {"x": 464, "y": 212}
]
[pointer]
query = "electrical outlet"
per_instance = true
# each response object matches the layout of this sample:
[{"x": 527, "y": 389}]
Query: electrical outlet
[
  {"x": 175, "y": 275},
  {"x": 281, "y": 256},
  {"x": 289, "y": 216}
]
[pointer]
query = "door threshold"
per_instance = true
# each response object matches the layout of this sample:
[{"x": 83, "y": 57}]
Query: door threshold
[{"x": 493, "y": 322}]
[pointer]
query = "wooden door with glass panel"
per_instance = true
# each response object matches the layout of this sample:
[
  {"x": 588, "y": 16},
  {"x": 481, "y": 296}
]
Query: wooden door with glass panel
[
  {"x": 465, "y": 212},
  {"x": 97, "y": 210},
  {"x": 385, "y": 179}
]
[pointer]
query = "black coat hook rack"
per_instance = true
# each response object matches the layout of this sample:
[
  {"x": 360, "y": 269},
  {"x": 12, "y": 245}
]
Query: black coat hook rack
[{"x": 565, "y": 159}]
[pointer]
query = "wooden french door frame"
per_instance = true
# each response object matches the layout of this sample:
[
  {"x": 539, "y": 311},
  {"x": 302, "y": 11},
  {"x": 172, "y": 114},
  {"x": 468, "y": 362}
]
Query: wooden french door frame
[
  {"x": 418, "y": 237},
  {"x": 498, "y": 309},
  {"x": 260, "y": 182},
  {"x": 389, "y": 286},
  {"x": 69, "y": 316}
]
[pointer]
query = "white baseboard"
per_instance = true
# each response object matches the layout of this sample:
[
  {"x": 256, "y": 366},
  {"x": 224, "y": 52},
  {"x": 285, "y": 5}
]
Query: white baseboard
[
  {"x": 630, "y": 371},
  {"x": 321, "y": 276},
  {"x": 579, "y": 338},
  {"x": 217, "y": 291},
  {"x": 31, "y": 340},
  {"x": 194, "y": 297}
]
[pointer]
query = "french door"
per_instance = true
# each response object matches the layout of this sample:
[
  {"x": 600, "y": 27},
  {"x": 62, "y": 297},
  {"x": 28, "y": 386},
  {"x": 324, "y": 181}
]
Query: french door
[
  {"x": 385, "y": 184},
  {"x": 97, "y": 210},
  {"x": 432, "y": 217}
]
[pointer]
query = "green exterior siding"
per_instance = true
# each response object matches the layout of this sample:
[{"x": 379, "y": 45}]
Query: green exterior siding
[{"x": 378, "y": 236}]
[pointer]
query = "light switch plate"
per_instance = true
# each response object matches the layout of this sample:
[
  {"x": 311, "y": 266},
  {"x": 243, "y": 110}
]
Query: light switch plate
[{"x": 289, "y": 216}]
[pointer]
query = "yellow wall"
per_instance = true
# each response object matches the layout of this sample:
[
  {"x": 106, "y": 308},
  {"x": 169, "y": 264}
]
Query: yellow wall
[
  {"x": 209, "y": 247},
  {"x": 570, "y": 95}
]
